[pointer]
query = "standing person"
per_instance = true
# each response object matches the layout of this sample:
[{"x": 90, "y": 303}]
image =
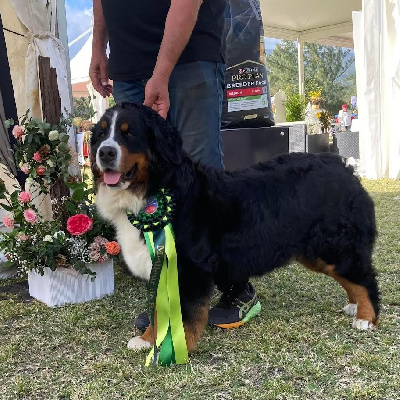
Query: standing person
[{"x": 167, "y": 54}]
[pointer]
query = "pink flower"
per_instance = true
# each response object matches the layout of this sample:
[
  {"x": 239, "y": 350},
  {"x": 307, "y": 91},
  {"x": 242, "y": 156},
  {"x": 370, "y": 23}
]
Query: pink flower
[
  {"x": 40, "y": 170},
  {"x": 30, "y": 216},
  {"x": 18, "y": 131},
  {"x": 24, "y": 197},
  {"x": 100, "y": 240},
  {"x": 94, "y": 255},
  {"x": 79, "y": 224},
  {"x": 23, "y": 237},
  {"x": 8, "y": 222},
  {"x": 25, "y": 169},
  {"x": 37, "y": 157}
]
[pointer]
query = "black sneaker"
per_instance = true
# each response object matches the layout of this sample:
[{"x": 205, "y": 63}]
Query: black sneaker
[
  {"x": 142, "y": 321},
  {"x": 234, "y": 311}
]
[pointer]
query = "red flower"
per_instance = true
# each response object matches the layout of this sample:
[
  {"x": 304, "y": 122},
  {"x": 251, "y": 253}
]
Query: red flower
[
  {"x": 79, "y": 224},
  {"x": 112, "y": 248},
  {"x": 40, "y": 170}
]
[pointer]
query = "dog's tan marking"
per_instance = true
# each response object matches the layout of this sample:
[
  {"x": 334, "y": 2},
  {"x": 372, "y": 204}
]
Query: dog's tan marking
[
  {"x": 124, "y": 126},
  {"x": 357, "y": 294},
  {"x": 148, "y": 335},
  {"x": 195, "y": 328},
  {"x": 104, "y": 124},
  {"x": 129, "y": 160}
]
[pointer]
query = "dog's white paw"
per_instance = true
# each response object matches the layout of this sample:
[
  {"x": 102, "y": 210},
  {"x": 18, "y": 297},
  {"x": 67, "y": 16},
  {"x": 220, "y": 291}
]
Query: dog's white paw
[
  {"x": 350, "y": 309},
  {"x": 137, "y": 343},
  {"x": 363, "y": 325}
]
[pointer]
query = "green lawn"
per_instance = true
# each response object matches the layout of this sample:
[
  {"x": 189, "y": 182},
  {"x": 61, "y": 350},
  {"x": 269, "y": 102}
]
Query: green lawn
[{"x": 301, "y": 346}]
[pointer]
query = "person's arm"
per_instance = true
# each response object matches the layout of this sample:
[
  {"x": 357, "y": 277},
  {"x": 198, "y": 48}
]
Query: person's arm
[
  {"x": 181, "y": 19},
  {"x": 98, "y": 70}
]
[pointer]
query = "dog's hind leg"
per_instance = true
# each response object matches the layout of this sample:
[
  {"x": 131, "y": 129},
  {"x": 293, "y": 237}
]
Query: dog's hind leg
[{"x": 363, "y": 296}]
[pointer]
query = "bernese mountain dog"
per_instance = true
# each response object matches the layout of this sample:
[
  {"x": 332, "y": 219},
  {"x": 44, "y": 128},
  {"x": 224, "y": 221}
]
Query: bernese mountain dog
[{"x": 232, "y": 225}]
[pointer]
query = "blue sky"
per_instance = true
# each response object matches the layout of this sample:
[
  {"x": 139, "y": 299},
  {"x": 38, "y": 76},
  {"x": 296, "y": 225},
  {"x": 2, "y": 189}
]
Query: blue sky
[
  {"x": 79, "y": 19},
  {"x": 79, "y": 16}
]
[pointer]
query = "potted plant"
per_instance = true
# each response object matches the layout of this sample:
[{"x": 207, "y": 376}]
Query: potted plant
[{"x": 68, "y": 258}]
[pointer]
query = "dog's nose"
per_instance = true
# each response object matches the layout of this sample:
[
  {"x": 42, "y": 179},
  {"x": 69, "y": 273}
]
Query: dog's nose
[{"x": 108, "y": 153}]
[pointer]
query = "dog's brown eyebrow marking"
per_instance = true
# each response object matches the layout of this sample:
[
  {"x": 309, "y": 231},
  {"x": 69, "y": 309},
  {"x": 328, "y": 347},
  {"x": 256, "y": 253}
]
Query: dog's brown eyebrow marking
[
  {"x": 104, "y": 124},
  {"x": 124, "y": 126}
]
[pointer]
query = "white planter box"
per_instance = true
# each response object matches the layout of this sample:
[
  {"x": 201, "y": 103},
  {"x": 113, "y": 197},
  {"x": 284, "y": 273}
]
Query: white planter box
[{"x": 62, "y": 286}]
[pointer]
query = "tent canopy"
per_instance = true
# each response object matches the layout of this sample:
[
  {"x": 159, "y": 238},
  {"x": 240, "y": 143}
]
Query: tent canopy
[{"x": 314, "y": 21}]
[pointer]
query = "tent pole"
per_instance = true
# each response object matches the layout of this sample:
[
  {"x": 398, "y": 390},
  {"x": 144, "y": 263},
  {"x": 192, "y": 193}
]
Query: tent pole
[{"x": 300, "y": 61}]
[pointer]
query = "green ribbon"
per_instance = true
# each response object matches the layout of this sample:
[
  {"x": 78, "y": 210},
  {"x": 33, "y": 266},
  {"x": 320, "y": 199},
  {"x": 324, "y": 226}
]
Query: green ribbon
[{"x": 164, "y": 300}]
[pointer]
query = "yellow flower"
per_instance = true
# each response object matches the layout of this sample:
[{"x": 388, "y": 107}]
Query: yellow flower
[
  {"x": 77, "y": 121},
  {"x": 318, "y": 115}
]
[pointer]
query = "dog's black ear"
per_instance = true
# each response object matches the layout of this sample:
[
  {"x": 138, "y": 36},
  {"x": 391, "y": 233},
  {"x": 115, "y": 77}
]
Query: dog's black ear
[{"x": 165, "y": 143}]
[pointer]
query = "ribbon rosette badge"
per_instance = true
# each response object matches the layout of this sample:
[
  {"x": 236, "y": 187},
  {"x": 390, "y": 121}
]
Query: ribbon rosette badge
[{"x": 152, "y": 206}]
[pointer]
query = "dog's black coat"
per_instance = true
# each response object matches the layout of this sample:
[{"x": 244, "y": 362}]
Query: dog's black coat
[{"x": 230, "y": 225}]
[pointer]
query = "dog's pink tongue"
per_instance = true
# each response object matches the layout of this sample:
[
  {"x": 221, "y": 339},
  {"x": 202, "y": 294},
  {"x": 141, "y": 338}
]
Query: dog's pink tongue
[{"x": 111, "y": 177}]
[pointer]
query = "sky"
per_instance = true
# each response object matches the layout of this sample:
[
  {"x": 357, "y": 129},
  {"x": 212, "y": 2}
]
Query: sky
[{"x": 79, "y": 17}]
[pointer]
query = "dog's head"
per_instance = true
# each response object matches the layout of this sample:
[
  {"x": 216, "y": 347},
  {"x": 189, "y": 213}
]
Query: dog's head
[{"x": 132, "y": 144}]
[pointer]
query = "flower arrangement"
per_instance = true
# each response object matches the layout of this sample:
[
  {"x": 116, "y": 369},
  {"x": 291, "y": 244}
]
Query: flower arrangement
[
  {"x": 42, "y": 151},
  {"x": 34, "y": 243},
  {"x": 76, "y": 236},
  {"x": 324, "y": 119},
  {"x": 315, "y": 96}
]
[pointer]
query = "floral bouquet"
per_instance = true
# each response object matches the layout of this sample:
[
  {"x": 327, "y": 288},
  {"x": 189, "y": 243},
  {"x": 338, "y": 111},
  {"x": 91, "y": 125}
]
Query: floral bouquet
[
  {"x": 76, "y": 236},
  {"x": 324, "y": 119},
  {"x": 315, "y": 96},
  {"x": 42, "y": 150},
  {"x": 34, "y": 243}
]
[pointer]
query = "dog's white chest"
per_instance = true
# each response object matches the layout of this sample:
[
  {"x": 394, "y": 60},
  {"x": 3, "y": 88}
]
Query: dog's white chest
[{"x": 112, "y": 205}]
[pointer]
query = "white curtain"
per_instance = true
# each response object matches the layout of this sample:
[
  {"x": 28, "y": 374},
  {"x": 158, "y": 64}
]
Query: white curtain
[
  {"x": 377, "y": 54},
  {"x": 40, "y": 18}
]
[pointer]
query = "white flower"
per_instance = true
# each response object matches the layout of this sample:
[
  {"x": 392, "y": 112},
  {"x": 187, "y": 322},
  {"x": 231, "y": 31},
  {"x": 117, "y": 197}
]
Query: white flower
[
  {"x": 48, "y": 238},
  {"x": 53, "y": 135},
  {"x": 50, "y": 163},
  {"x": 59, "y": 234}
]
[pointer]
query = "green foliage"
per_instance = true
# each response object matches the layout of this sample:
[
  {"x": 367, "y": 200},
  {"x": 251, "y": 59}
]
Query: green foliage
[
  {"x": 83, "y": 107},
  {"x": 324, "y": 68},
  {"x": 295, "y": 107}
]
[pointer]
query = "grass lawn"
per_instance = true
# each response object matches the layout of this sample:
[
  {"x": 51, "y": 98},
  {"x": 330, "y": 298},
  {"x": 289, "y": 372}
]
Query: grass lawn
[{"x": 301, "y": 346}]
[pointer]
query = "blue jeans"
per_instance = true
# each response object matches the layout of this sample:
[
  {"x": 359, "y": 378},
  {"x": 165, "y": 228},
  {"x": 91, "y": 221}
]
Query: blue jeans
[{"x": 196, "y": 92}]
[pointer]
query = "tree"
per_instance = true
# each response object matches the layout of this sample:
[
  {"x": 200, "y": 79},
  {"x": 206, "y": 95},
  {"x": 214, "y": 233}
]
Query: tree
[
  {"x": 282, "y": 63},
  {"x": 324, "y": 69}
]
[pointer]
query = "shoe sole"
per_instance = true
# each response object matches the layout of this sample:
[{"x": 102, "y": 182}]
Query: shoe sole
[{"x": 252, "y": 313}]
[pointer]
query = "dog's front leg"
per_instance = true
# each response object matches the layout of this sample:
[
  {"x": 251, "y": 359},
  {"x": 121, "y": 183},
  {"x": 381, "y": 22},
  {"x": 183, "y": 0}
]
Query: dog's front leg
[{"x": 193, "y": 327}]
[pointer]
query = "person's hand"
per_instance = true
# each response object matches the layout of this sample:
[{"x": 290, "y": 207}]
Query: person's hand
[
  {"x": 156, "y": 94},
  {"x": 98, "y": 73}
]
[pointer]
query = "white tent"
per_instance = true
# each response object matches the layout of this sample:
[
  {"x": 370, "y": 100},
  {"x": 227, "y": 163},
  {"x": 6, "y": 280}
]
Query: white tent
[
  {"x": 43, "y": 18},
  {"x": 377, "y": 52},
  {"x": 80, "y": 73},
  {"x": 313, "y": 21}
]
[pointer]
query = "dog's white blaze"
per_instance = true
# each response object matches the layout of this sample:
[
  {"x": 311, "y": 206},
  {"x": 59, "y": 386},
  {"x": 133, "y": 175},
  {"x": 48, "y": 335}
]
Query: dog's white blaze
[
  {"x": 112, "y": 205},
  {"x": 110, "y": 141}
]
